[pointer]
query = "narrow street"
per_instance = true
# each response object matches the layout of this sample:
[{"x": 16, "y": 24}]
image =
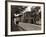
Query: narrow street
[{"x": 28, "y": 26}]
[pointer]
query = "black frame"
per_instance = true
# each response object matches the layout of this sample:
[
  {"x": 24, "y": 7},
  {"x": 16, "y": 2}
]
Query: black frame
[{"x": 6, "y": 32}]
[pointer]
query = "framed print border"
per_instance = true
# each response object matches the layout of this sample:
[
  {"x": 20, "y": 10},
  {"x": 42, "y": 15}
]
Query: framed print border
[{"x": 6, "y": 18}]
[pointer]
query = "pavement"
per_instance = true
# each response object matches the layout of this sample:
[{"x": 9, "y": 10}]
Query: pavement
[{"x": 28, "y": 26}]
